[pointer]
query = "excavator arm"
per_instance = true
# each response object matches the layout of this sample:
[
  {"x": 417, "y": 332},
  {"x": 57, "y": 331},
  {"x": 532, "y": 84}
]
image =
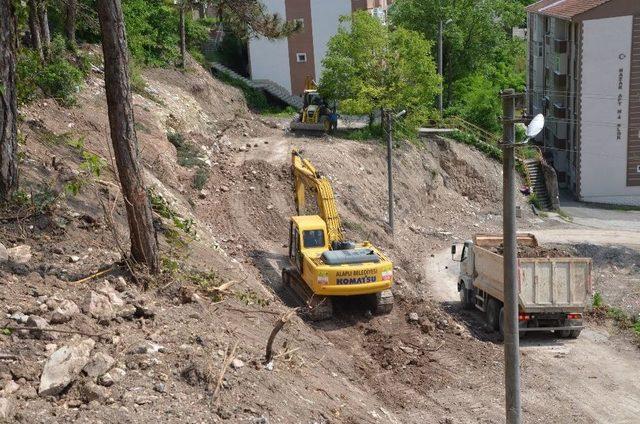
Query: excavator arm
[{"x": 306, "y": 176}]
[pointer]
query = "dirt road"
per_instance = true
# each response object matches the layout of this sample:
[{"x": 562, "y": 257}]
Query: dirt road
[
  {"x": 596, "y": 373},
  {"x": 629, "y": 238}
]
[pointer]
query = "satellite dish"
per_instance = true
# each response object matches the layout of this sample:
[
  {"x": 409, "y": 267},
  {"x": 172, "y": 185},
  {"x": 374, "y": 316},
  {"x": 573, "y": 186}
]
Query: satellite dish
[{"x": 536, "y": 126}]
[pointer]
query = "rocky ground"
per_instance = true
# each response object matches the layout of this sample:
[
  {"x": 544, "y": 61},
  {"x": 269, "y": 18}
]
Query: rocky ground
[{"x": 88, "y": 339}]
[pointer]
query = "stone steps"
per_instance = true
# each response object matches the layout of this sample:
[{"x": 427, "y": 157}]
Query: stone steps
[{"x": 268, "y": 86}]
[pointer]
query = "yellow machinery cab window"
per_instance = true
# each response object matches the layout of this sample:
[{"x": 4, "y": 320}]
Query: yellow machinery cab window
[{"x": 313, "y": 238}]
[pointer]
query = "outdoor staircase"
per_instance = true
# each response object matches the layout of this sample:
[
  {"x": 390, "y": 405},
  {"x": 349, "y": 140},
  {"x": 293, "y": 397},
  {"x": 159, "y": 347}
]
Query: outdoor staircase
[
  {"x": 538, "y": 184},
  {"x": 268, "y": 86}
]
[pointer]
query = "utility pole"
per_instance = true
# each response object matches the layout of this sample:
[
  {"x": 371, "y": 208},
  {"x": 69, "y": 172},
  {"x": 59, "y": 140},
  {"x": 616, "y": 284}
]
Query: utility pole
[
  {"x": 389, "y": 124},
  {"x": 440, "y": 31},
  {"x": 511, "y": 335}
]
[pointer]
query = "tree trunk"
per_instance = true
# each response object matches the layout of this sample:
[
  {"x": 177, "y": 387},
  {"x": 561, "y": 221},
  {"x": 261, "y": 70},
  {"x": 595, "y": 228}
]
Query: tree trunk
[
  {"x": 45, "y": 35},
  {"x": 70, "y": 21},
  {"x": 183, "y": 37},
  {"x": 144, "y": 246},
  {"x": 34, "y": 28},
  {"x": 8, "y": 102}
]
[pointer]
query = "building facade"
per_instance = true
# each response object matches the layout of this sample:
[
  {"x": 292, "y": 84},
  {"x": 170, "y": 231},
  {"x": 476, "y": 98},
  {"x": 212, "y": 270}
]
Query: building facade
[
  {"x": 288, "y": 62},
  {"x": 584, "y": 76}
]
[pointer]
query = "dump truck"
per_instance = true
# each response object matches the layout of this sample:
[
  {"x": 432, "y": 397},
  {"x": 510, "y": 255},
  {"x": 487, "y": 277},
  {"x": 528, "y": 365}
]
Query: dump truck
[
  {"x": 323, "y": 263},
  {"x": 553, "y": 291}
]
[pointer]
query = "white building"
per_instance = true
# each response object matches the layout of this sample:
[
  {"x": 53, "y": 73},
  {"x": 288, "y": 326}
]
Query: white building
[
  {"x": 584, "y": 75},
  {"x": 288, "y": 62}
]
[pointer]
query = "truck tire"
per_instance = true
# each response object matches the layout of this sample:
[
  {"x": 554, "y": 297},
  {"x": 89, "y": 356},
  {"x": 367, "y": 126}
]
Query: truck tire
[
  {"x": 465, "y": 297},
  {"x": 501, "y": 322},
  {"x": 563, "y": 334},
  {"x": 574, "y": 334},
  {"x": 286, "y": 278},
  {"x": 494, "y": 313}
]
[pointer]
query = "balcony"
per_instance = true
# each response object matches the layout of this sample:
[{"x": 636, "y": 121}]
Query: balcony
[
  {"x": 559, "y": 143},
  {"x": 559, "y": 111},
  {"x": 560, "y": 46},
  {"x": 560, "y": 81}
]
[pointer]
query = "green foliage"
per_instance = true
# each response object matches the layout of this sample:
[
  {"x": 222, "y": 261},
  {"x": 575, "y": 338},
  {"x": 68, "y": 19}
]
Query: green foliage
[
  {"x": 490, "y": 150},
  {"x": 152, "y": 31},
  {"x": 372, "y": 132},
  {"x": 162, "y": 208},
  {"x": 533, "y": 200},
  {"x": 59, "y": 78},
  {"x": 27, "y": 71},
  {"x": 597, "y": 300},
  {"x": 256, "y": 100},
  {"x": 92, "y": 163},
  {"x": 480, "y": 57},
  {"x": 200, "y": 178},
  {"x": 369, "y": 67}
]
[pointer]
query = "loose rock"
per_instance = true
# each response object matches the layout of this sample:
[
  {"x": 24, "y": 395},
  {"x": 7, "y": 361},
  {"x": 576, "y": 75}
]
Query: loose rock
[
  {"x": 99, "y": 364},
  {"x": 39, "y": 323},
  {"x": 237, "y": 363},
  {"x": 64, "y": 312},
  {"x": 5, "y": 410},
  {"x": 414, "y": 317},
  {"x": 64, "y": 365},
  {"x": 98, "y": 306},
  {"x": 20, "y": 254}
]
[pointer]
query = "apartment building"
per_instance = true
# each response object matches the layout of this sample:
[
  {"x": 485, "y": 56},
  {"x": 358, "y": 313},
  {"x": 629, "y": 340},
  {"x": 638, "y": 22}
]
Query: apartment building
[
  {"x": 584, "y": 76},
  {"x": 289, "y": 61}
]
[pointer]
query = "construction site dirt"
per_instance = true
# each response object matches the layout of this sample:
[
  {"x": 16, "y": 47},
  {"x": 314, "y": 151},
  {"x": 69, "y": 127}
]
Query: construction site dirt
[{"x": 191, "y": 345}]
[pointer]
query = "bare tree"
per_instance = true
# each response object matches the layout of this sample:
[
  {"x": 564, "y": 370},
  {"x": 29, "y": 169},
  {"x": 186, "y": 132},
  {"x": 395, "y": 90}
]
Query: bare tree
[
  {"x": 8, "y": 102},
  {"x": 71, "y": 11},
  {"x": 144, "y": 246},
  {"x": 34, "y": 28},
  {"x": 183, "y": 36},
  {"x": 45, "y": 35}
]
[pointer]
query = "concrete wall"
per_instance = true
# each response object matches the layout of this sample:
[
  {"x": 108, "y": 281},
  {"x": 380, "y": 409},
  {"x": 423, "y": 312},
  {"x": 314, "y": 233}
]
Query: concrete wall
[
  {"x": 326, "y": 14},
  {"x": 604, "y": 97},
  {"x": 270, "y": 59}
]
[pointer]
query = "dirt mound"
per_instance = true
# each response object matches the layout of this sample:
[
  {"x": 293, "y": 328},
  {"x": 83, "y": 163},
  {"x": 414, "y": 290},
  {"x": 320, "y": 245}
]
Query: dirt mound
[{"x": 525, "y": 251}]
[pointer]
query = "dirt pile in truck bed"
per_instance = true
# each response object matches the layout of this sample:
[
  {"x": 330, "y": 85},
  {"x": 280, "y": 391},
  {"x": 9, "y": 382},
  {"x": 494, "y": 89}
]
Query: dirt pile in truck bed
[{"x": 538, "y": 251}]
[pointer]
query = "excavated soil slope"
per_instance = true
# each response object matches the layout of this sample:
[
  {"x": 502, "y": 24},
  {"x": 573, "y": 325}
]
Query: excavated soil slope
[{"x": 220, "y": 293}]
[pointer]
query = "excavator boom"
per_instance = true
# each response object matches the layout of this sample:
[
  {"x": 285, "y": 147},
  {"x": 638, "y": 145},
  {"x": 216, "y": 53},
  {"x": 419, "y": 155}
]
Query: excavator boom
[{"x": 306, "y": 176}]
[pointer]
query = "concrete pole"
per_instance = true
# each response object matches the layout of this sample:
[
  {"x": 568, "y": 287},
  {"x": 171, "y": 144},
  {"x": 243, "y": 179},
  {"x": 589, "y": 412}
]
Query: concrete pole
[
  {"x": 440, "y": 31},
  {"x": 389, "y": 123},
  {"x": 511, "y": 336}
]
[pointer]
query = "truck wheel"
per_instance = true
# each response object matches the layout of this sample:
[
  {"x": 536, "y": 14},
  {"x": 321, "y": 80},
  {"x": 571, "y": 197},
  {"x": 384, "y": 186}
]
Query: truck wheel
[
  {"x": 494, "y": 314},
  {"x": 501, "y": 322},
  {"x": 465, "y": 297},
  {"x": 563, "y": 334},
  {"x": 574, "y": 334}
]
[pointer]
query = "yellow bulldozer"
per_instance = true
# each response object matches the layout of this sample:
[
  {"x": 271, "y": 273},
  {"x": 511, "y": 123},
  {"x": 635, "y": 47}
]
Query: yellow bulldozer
[
  {"x": 323, "y": 263},
  {"x": 315, "y": 115}
]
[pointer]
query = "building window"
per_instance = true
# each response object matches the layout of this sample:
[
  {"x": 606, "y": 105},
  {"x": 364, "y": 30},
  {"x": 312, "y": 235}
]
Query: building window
[{"x": 301, "y": 57}]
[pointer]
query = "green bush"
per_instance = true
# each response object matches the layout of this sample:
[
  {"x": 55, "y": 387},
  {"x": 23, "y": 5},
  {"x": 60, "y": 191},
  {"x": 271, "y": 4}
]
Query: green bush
[
  {"x": 152, "y": 31},
  {"x": 27, "y": 70},
  {"x": 597, "y": 300},
  {"x": 60, "y": 80},
  {"x": 256, "y": 100}
]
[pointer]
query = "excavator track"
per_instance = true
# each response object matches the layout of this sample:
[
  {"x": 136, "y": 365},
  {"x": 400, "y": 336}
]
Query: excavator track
[
  {"x": 383, "y": 302},
  {"x": 319, "y": 308}
]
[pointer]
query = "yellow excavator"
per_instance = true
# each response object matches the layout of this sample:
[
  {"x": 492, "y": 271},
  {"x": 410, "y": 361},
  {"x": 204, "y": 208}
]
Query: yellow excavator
[
  {"x": 323, "y": 263},
  {"x": 315, "y": 114}
]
